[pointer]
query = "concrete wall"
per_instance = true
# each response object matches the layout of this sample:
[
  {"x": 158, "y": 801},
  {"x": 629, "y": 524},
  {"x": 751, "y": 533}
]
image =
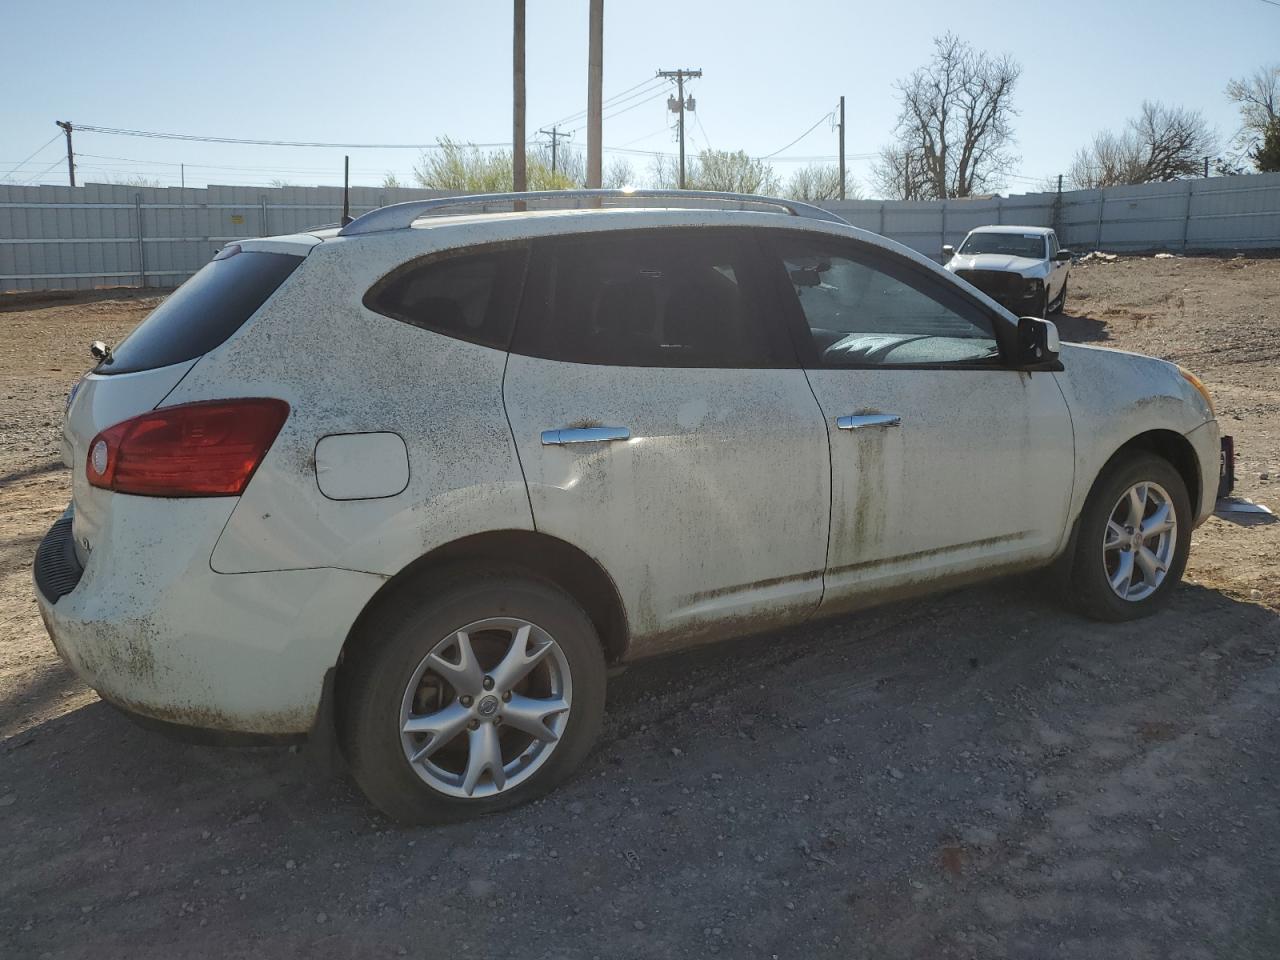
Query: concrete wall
[{"x": 108, "y": 235}]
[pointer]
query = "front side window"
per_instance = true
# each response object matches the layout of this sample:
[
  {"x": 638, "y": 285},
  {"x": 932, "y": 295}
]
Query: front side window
[
  {"x": 875, "y": 309},
  {"x": 669, "y": 298},
  {"x": 1029, "y": 245},
  {"x": 470, "y": 295}
]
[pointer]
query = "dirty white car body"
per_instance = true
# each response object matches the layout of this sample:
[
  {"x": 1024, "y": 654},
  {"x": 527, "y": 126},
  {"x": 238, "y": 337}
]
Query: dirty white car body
[
  {"x": 1031, "y": 281},
  {"x": 671, "y": 503}
]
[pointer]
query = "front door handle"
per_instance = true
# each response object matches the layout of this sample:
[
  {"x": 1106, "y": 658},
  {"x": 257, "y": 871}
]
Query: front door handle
[
  {"x": 559, "y": 438},
  {"x": 864, "y": 420}
]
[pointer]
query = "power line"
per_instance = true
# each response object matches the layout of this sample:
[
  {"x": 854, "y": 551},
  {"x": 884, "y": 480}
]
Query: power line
[
  {"x": 613, "y": 101},
  {"x": 45, "y": 170},
  {"x": 825, "y": 117},
  {"x": 617, "y": 113},
  {"x": 33, "y": 153},
  {"x": 122, "y": 132}
]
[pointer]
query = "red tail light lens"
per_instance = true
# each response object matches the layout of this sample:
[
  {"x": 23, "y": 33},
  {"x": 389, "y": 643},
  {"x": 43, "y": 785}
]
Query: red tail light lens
[{"x": 206, "y": 449}]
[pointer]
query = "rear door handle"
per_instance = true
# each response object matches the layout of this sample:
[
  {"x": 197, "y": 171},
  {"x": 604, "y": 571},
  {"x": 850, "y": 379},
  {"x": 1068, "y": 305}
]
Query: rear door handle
[
  {"x": 865, "y": 420},
  {"x": 558, "y": 438}
]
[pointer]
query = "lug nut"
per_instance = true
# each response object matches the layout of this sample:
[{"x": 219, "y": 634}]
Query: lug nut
[
  {"x": 497, "y": 721},
  {"x": 488, "y": 683},
  {"x": 473, "y": 725},
  {"x": 465, "y": 701},
  {"x": 506, "y": 697}
]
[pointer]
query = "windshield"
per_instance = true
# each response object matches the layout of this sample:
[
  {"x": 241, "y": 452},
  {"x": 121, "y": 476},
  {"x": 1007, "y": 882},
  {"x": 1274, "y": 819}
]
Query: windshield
[{"x": 1010, "y": 244}]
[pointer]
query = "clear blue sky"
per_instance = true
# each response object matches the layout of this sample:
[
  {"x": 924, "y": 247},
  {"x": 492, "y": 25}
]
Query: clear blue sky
[{"x": 382, "y": 71}]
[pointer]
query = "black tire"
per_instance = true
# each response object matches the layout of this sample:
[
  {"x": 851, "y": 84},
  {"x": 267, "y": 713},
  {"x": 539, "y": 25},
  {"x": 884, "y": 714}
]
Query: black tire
[
  {"x": 1090, "y": 589},
  {"x": 394, "y": 641},
  {"x": 1060, "y": 304}
]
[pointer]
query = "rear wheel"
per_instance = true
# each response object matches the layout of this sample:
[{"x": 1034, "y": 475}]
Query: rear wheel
[
  {"x": 483, "y": 697},
  {"x": 1135, "y": 533}
]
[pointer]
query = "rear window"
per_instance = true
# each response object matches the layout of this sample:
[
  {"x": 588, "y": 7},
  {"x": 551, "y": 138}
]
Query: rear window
[{"x": 203, "y": 312}]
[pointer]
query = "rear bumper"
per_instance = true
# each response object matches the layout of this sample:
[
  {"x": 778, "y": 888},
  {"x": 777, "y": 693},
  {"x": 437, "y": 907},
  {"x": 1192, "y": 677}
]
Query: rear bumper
[{"x": 158, "y": 634}]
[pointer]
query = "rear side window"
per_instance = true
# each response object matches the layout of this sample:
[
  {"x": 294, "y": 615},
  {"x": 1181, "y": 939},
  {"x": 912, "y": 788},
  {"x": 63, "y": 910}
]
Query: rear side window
[
  {"x": 469, "y": 295},
  {"x": 203, "y": 312},
  {"x": 669, "y": 298}
]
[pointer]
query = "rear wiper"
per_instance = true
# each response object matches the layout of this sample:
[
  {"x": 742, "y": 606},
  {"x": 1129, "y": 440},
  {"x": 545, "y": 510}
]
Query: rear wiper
[{"x": 101, "y": 352}]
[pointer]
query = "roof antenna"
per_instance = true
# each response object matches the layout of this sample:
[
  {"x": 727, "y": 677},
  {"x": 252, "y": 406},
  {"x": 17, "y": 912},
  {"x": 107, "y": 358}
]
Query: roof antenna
[{"x": 346, "y": 190}]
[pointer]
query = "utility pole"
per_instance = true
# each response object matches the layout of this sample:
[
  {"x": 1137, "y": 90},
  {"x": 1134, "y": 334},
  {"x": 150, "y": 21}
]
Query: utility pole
[
  {"x": 1206, "y": 168},
  {"x": 679, "y": 104},
  {"x": 518, "y": 172},
  {"x": 71, "y": 157},
  {"x": 556, "y": 136},
  {"x": 595, "y": 80},
  {"x": 842, "y": 176},
  {"x": 346, "y": 190}
]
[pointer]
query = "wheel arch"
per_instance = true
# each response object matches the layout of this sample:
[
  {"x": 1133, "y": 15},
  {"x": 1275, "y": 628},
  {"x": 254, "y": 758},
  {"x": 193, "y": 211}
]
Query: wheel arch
[
  {"x": 1168, "y": 445},
  {"x": 538, "y": 554}
]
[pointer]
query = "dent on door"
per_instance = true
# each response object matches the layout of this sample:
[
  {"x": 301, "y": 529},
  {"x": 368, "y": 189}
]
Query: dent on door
[{"x": 704, "y": 493}]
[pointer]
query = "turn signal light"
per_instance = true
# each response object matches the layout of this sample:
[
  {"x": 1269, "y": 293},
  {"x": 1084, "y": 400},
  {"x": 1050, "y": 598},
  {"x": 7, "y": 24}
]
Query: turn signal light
[{"x": 205, "y": 449}]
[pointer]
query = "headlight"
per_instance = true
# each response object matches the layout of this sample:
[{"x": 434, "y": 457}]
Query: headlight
[{"x": 1192, "y": 379}]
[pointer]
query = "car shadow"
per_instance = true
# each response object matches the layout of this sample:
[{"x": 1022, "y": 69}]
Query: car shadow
[
  {"x": 1081, "y": 328},
  {"x": 806, "y": 731}
]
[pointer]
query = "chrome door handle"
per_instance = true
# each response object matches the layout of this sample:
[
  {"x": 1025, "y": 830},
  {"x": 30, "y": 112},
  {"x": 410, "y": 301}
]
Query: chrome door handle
[
  {"x": 559, "y": 438},
  {"x": 861, "y": 421}
]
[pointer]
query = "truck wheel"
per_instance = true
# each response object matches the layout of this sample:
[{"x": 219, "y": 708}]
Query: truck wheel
[
  {"x": 478, "y": 699},
  {"x": 1060, "y": 304},
  {"x": 1135, "y": 533}
]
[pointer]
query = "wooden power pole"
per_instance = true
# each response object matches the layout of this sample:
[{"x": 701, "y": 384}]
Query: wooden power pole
[
  {"x": 595, "y": 80},
  {"x": 842, "y": 175},
  {"x": 71, "y": 157},
  {"x": 518, "y": 171},
  {"x": 680, "y": 105}
]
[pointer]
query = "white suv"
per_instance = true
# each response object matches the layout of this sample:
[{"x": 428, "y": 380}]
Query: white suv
[{"x": 417, "y": 483}]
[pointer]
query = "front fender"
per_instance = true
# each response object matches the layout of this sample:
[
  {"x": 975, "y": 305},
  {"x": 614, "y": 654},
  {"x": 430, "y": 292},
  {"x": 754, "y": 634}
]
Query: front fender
[{"x": 1116, "y": 396}]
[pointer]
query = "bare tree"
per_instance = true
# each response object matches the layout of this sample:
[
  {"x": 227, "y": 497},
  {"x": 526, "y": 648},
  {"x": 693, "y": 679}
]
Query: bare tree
[
  {"x": 820, "y": 182},
  {"x": 390, "y": 181},
  {"x": 137, "y": 180},
  {"x": 1161, "y": 143},
  {"x": 953, "y": 132},
  {"x": 1258, "y": 97},
  {"x": 900, "y": 174},
  {"x": 619, "y": 174}
]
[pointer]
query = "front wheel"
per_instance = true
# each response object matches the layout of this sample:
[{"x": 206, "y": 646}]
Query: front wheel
[
  {"x": 483, "y": 696},
  {"x": 1135, "y": 533},
  {"x": 1060, "y": 304}
]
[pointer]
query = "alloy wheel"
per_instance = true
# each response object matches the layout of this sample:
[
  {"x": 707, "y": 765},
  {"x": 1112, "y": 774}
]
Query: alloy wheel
[
  {"x": 486, "y": 708},
  {"x": 1139, "y": 542}
]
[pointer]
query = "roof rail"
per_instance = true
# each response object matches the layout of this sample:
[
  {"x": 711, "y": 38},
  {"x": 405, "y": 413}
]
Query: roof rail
[{"x": 398, "y": 216}]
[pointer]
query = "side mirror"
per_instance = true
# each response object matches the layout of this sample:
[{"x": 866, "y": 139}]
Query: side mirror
[
  {"x": 1062, "y": 256},
  {"x": 1038, "y": 342},
  {"x": 948, "y": 251}
]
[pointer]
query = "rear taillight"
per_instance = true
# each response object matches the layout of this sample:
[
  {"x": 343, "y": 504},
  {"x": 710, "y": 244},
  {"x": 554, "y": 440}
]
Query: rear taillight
[{"x": 205, "y": 449}]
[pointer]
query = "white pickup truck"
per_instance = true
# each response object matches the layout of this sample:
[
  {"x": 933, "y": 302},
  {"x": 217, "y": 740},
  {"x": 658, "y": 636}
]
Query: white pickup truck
[{"x": 1021, "y": 268}]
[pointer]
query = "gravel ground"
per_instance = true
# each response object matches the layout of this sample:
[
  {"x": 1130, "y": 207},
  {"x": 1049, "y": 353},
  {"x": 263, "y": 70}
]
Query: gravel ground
[{"x": 979, "y": 775}]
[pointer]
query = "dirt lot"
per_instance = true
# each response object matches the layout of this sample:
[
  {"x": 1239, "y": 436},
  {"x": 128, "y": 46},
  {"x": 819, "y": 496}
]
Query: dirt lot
[{"x": 980, "y": 775}]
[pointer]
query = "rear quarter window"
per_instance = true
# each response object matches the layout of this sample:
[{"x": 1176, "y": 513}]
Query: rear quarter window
[
  {"x": 203, "y": 312},
  {"x": 469, "y": 294}
]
